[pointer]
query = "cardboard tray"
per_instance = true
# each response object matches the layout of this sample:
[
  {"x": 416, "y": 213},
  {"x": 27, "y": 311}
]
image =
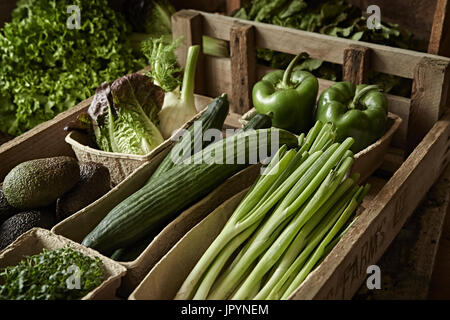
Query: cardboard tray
[
  {"x": 33, "y": 241},
  {"x": 164, "y": 280},
  {"x": 120, "y": 165}
]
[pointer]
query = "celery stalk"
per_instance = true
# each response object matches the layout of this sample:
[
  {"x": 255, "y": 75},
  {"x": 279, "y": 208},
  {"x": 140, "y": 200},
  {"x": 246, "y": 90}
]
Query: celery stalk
[
  {"x": 307, "y": 183},
  {"x": 348, "y": 211},
  {"x": 313, "y": 239},
  {"x": 271, "y": 256},
  {"x": 300, "y": 241},
  {"x": 230, "y": 230},
  {"x": 218, "y": 264}
]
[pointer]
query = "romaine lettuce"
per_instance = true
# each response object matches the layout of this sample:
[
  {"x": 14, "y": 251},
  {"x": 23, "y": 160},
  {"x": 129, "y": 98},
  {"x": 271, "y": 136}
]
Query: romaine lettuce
[{"x": 125, "y": 115}]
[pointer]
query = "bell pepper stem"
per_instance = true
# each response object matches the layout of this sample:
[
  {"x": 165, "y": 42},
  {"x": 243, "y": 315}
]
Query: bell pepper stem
[
  {"x": 355, "y": 103},
  {"x": 287, "y": 73}
]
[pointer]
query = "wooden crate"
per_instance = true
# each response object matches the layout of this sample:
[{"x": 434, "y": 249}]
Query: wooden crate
[
  {"x": 343, "y": 270},
  {"x": 237, "y": 74},
  {"x": 426, "y": 19},
  {"x": 424, "y": 136}
]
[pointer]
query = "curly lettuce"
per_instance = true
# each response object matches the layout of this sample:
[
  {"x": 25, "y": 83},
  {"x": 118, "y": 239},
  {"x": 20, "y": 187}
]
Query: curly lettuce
[{"x": 47, "y": 68}]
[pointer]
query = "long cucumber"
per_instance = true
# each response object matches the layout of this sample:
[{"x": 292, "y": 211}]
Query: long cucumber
[
  {"x": 149, "y": 209},
  {"x": 192, "y": 140}
]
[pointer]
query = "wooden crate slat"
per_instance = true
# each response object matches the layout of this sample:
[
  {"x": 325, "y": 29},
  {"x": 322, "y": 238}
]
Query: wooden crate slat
[
  {"x": 344, "y": 269},
  {"x": 429, "y": 98},
  {"x": 243, "y": 63},
  {"x": 385, "y": 59},
  {"x": 189, "y": 25},
  {"x": 356, "y": 64},
  {"x": 43, "y": 141},
  {"x": 440, "y": 37},
  {"x": 217, "y": 75}
]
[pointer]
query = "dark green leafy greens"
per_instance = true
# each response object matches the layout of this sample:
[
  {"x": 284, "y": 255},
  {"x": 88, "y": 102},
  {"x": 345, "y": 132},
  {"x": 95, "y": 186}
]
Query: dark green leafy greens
[
  {"x": 332, "y": 17},
  {"x": 46, "y": 68},
  {"x": 43, "y": 276},
  {"x": 125, "y": 115},
  {"x": 152, "y": 17}
]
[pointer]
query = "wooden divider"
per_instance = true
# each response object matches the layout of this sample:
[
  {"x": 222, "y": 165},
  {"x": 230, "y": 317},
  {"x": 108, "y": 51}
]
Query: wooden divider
[
  {"x": 243, "y": 66},
  {"x": 356, "y": 64},
  {"x": 440, "y": 37},
  {"x": 189, "y": 25}
]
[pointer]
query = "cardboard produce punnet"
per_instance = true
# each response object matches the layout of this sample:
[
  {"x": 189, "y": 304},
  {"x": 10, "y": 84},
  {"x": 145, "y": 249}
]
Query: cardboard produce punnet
[{"x": 33, "y": 241}]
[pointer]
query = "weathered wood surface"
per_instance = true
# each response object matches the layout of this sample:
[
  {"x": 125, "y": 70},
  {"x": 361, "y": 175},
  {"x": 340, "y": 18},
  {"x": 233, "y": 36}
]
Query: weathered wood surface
[
  {"x": 408, "y": 264},
  {"x": 385, "y": 59},
  {"x": 45, "y": 140},
  {"x": 243, "y": 66},
  {"x": 429, "y": 98},
  {"x": 356, "y": 64},
  {"x": 440, "y": 37},
  {"x": 189, "y": 25}
]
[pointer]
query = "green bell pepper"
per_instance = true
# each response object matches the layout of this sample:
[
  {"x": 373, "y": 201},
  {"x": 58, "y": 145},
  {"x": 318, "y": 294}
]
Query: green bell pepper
[
  {"x": 288, "y": 96},
  {"x": 359, "y": 112}
]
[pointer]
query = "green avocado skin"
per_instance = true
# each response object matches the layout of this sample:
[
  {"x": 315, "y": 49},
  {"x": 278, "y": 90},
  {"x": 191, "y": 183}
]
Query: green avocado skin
[{"x": 38, "y": 183}]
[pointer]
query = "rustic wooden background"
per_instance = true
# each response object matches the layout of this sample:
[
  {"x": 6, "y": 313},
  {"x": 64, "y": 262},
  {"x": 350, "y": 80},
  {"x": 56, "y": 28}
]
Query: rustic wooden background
[{"x": 409, "y": 271}]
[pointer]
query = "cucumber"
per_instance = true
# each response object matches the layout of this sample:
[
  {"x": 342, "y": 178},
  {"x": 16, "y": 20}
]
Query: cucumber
[
  {"x": 213, "y": 118},
  {"x": 258, "y": 121},
  {"x": 151, "y": 208}
]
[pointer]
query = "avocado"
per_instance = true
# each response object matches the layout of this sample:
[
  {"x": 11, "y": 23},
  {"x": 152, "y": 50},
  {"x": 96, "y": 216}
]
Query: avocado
[
  {"x": 6, "y": 210},
  {"x": 94, "y": 182},
  {"x": 20, "y": 223},
  {"x": 38, "y": 183}
]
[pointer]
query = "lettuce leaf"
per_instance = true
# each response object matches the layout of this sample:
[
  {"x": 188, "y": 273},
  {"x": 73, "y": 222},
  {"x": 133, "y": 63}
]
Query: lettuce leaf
[{"x": 125, "y": 115}]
